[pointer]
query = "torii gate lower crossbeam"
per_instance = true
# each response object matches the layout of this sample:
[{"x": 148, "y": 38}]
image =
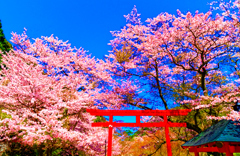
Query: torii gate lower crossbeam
[{"x": 138, "y": 114}]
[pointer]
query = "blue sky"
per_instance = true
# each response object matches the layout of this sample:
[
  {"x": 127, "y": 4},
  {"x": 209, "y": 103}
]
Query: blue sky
[{"x": 84, "y": 23}]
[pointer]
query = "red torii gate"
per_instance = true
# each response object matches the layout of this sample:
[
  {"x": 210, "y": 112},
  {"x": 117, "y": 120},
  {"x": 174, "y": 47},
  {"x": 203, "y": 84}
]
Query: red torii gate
[{"x": 138, "y": 113}]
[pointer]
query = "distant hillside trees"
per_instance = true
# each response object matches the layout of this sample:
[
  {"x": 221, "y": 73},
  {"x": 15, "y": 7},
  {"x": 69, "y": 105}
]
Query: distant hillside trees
[{"x": 5, "y": 46}]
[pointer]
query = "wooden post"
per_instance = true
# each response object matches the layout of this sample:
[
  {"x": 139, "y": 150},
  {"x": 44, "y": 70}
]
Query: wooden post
[
  {"x": 110, "y": 136},
  {"x": 137, "y": 118},
  {"x": 227, "y": 149},
  {"x": 167, "y": 136}
]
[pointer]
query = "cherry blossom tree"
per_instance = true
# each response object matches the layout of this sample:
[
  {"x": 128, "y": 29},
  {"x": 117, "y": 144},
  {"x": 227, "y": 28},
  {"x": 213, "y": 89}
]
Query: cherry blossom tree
[
  {"x": 190, "y": 60},
  {"x": 46, "y": 87},
  {"x": 230, "y": 92}
]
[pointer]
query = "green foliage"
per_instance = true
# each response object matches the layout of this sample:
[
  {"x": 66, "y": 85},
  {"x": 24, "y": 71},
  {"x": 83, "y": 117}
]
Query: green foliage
[
  {"x": 57, "y": 152},
  {"x": 4, "y": 115},
  {"x": 236, "y": 154},
  {"x": 99, "y": 119},
  {"x": 5, "y": 46},
  {"x": 129, "y": 132},
  {"x": 81, "y": 153},
  {"x": 132, "y": 135}
]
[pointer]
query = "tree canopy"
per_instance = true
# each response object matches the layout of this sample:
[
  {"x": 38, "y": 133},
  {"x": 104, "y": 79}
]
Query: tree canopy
[{"x": 188, "y": 60}]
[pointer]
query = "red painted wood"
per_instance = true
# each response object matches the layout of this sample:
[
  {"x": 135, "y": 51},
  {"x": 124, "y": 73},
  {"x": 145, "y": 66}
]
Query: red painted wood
[
  {"x": 110, "y": 136},
  {"x": 196, "y": 153},
  {"x": 157, "y": 124},
  {"x": 206, "y": 149},
  {"x": 139, "y": 112},
  {"x": 110, "y": 140},
  {"x": 236, "y": 149},
  {"x": 138, "y": 119},
  {"x": 227, "y": 149},
  {"x": 167, "y": 136}
]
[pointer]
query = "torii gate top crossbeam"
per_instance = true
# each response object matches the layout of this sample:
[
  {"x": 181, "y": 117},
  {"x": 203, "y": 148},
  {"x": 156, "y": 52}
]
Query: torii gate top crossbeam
[{"x": 138, "y": 112}]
